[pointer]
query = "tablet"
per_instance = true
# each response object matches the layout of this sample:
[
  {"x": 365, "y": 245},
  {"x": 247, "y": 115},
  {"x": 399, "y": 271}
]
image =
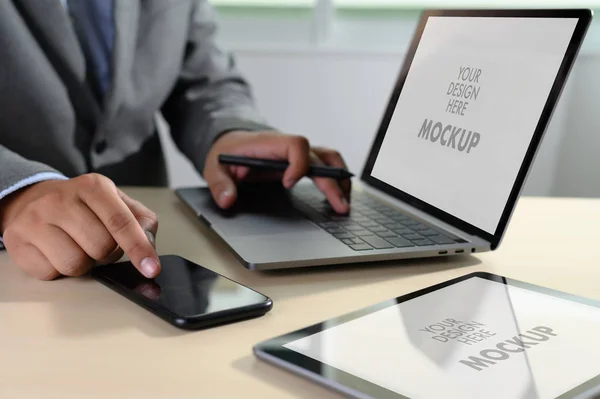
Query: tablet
[{"x": 477, "y": 336}]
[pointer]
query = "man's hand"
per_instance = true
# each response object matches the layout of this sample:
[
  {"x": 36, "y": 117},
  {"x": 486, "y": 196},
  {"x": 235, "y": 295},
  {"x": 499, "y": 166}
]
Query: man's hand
[
  {"x": 296, "y": 150},
  {"x": 58, "y": 228}
]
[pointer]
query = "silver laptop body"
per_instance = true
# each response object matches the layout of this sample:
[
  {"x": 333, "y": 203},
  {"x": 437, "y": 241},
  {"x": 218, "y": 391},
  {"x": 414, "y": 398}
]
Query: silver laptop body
[{"x": 272, "y": 228}]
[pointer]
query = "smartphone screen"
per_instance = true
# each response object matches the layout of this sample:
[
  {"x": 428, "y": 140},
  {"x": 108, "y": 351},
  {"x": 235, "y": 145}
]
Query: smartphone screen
[{"x": 184, "y": 293}]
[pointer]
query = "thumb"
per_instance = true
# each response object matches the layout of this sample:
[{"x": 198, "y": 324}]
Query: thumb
[{"x": 222, "y": 187}]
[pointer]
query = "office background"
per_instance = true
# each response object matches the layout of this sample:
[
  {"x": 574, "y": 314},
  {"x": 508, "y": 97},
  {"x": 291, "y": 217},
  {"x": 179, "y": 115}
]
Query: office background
[{"x": 325, "y": 69}]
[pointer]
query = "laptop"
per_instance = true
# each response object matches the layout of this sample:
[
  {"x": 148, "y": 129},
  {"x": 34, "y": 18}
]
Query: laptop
[{"x": 448, "y": 162}]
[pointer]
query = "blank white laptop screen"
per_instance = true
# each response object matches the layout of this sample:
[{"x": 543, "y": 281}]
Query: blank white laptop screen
[
  {"x": 468, "y": 111},
  {"x": 473, "y": 339}
]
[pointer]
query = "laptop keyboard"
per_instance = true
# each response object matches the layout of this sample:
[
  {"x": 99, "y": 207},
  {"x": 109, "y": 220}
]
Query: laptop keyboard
[{"x": 371, "y": 225}]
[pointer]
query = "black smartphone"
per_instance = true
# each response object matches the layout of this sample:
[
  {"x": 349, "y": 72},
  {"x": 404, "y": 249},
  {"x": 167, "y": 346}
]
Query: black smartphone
[{"x": 185, "y": 294}]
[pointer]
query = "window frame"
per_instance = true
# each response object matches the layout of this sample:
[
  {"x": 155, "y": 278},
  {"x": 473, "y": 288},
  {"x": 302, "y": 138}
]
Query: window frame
[{"x": 324, "y": 14}]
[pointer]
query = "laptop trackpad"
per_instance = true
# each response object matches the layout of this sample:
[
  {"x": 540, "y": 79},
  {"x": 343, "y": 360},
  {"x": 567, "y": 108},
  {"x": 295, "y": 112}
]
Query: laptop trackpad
[{"x": 261, "y": 208}]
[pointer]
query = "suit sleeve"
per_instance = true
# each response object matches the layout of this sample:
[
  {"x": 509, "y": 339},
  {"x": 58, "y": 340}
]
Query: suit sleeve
[
  {"x": 17, "y": 172},
  {"x": 211, "y": 96}
]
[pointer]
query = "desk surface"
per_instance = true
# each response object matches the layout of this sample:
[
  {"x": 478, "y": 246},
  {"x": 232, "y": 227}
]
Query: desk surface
[{"x": 74, "y": 338}]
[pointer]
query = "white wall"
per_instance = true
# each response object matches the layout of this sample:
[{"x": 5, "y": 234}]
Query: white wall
[
  {"x": 337, "y": 99},
  {"x": 578, "y": 163}
]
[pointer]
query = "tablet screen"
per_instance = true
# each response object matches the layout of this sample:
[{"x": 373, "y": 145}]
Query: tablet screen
[{"x": 476, "y": 338}]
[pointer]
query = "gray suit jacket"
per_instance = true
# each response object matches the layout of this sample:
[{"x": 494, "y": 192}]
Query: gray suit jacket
[{"x": 165, "y": 59}]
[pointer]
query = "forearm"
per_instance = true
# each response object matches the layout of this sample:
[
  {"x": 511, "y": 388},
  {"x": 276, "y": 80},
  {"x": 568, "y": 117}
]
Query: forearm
[
  {"x": 194, "y": 130},
  {"x": 212, "y": 96},
  {"x": 17, "y": 172}
]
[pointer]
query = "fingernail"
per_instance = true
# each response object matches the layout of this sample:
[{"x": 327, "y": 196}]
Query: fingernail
[
  {"x": 345, "y": 201},
  {"x": 290, "y": 183},
  {"x": 149, "y": 267},
  {"x": 228, "y": 192}
]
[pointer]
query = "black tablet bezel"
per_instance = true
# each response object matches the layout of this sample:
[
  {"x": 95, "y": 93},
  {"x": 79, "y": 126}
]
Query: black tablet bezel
[
  {"x": 275, "y": 348},
  {"x": 584, "y": 17}
]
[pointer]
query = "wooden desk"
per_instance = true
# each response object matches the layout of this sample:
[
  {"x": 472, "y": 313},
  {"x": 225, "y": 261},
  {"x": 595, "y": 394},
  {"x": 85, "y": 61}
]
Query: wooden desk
[{"x": 74, "y": 338}]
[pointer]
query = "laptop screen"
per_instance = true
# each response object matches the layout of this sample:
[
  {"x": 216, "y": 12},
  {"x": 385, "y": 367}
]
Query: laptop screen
[{"x": 468, "y": 110}]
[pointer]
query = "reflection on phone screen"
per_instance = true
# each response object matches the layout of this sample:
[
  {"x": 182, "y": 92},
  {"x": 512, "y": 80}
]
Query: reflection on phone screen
[{"x": 184, "y": 288}]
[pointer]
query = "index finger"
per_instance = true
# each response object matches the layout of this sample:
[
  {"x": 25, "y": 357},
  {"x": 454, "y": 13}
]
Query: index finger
[
  {"x": 145, "y": 217},
  {"x": 333, "y": 158},
  {"x": 120, "y": 222}
]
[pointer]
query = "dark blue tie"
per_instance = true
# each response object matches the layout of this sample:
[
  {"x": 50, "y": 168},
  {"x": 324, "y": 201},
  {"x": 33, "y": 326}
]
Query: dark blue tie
[{"x": 94, "y": 24}]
